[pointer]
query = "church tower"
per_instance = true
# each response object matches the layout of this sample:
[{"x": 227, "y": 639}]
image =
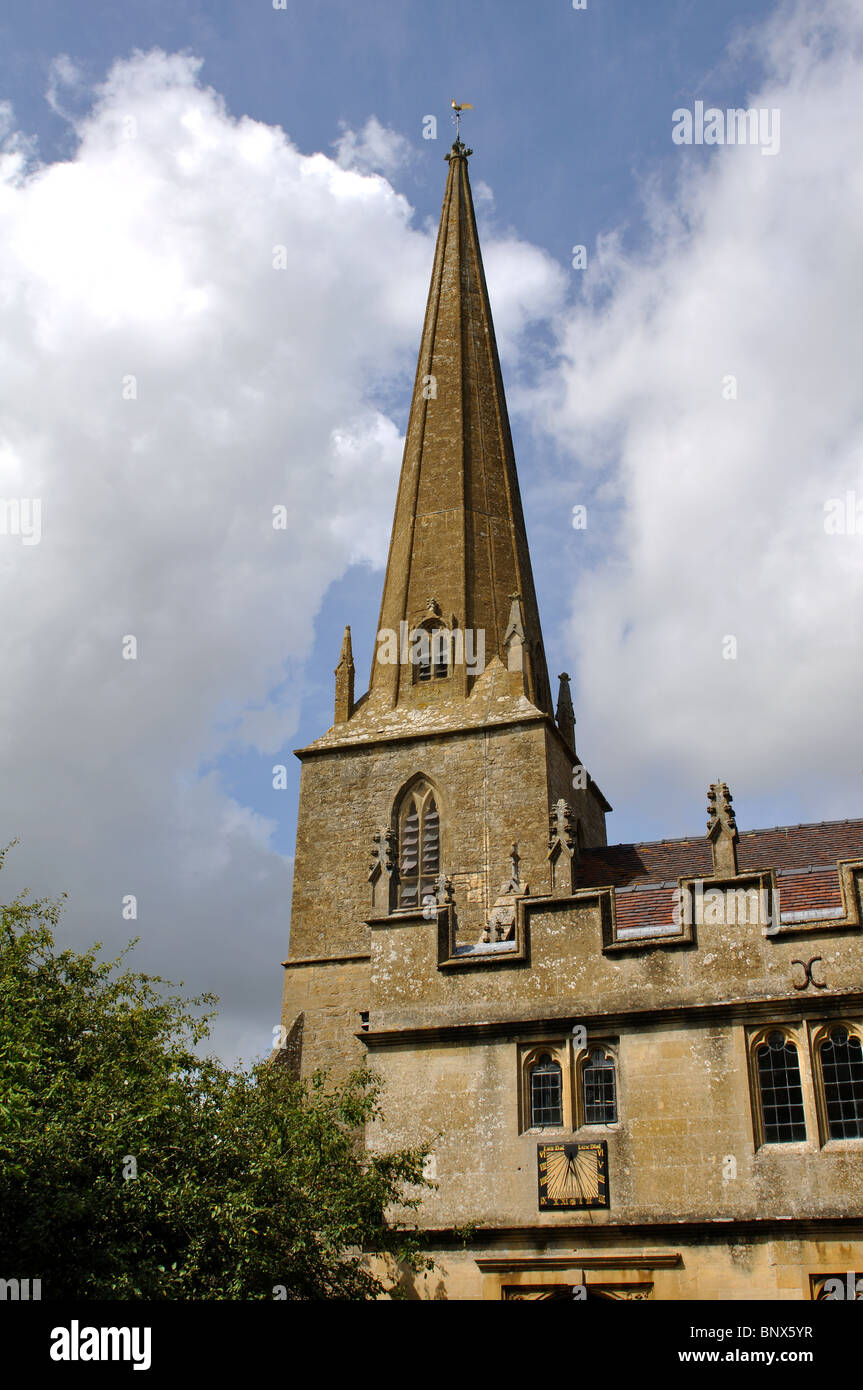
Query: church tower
[
  {"x": 433, "y": 792},
  {"x": 638, "y": 1067}
]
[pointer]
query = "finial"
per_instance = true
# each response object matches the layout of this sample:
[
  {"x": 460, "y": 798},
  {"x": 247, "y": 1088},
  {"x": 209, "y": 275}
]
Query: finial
[
  {"x": 563, "y": 849},
  {"x": 347, "y": 657},
  {"x": 345, "y": 681},
  {"x": 722, "y": 829},
  {"x": 565, "y": 714}
]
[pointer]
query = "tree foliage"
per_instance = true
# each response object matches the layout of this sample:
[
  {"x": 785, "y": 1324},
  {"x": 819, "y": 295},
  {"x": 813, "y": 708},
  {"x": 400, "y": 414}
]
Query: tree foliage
[{"x": 249, "y": 1184}]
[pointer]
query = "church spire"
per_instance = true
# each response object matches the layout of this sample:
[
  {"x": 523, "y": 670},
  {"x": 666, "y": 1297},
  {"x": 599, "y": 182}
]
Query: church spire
[{"x": 458, "y": 533}]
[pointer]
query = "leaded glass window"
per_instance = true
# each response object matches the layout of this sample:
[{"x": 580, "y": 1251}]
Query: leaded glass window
[
  {"x": 546, "y": 1093},
  {"x": 782, "y": 1115},
  {"x": 598, "y": 1088},
  {"x": 842, "y": 1074}
]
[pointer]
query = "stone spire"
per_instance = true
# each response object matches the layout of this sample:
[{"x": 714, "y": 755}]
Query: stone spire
[
  {"x": 458, "y": 531},
  {"x": 344, "y": 674}
]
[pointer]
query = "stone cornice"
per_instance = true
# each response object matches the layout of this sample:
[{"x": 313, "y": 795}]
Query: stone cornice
[
  {"x": 325, "y": 960},
  {"x": 381, "y": 740},
  {"x": 779, "y": 1007},
  {"x": 676, "y": 1232},
  {"x": 618, "y": 1259}
]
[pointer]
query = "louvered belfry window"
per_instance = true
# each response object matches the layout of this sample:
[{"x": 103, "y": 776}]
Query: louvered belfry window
[
  {"x": 434, "y": 654},
  {"x": 419, "y": 847}
]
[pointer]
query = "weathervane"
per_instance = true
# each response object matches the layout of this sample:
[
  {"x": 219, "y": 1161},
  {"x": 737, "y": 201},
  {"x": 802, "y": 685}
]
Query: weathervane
[{"x": 458, "y": 107}]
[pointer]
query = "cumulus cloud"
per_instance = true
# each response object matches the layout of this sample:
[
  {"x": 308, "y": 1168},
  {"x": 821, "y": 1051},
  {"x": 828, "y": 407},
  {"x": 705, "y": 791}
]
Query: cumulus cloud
[
  {"x": 526, "y": 286},
  {"x": 709, "y": 403},
  {"x": 196, "y": 316},
  {"x": 374, "y": 149}
]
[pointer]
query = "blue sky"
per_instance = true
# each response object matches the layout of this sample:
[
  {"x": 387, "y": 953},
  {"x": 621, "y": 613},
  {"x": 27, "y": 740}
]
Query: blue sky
[
  {"x": 143, "y": 193},
  {"x": 571, "y": 107}
]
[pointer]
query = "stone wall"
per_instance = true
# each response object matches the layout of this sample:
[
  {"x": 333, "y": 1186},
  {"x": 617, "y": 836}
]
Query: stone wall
[
  {"x": 667, "y": 1266},
  {"x": 684, "y": 1142}
]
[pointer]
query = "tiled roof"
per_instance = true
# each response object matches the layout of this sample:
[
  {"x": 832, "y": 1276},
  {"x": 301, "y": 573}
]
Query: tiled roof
[
  {"x": 782, "y": 847},
  {"x": 816, "y": 889},
  {"x": 645, "y": 876},
  {"x": 796, "y": 846},
  {"x": 652, "y": 908}
]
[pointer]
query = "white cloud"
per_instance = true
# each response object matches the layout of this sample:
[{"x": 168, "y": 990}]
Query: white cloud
[
  {"x": 166, "y": 387},
  {"x": 708, "y": 515},
  {"x": 525, "y": 285},
  {"x": 143, "y": 268},
  {"x": 374, "y": 149},
  {"x": 364, "y": 460},
  {"x": 65, "y": 79}
]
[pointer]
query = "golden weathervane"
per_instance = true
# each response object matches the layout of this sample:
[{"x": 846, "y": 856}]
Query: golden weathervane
[{"x": 458, "y": 107}]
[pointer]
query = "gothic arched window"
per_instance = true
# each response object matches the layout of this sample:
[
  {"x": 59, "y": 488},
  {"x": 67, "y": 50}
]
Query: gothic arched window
[
  {"x": 598, "y": 1088},
  {"x": 546, "y": 1093},
  {"x": 841, "y": 1057},
  {"x": 419, "y": 846},
  {"x": 782, "y": 1117}
]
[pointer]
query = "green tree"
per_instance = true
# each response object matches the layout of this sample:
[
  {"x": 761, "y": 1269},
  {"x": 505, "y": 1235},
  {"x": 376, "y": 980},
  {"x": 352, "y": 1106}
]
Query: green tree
[{"x": 131, "y": 1167}]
